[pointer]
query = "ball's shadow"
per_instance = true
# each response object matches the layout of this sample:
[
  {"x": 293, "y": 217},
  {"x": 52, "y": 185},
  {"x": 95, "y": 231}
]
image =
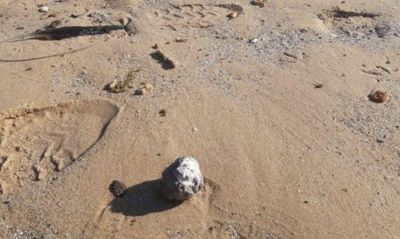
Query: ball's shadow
[{"x": 142, "y": 199}]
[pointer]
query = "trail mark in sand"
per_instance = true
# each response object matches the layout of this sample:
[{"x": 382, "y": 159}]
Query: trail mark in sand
[{"x": 196, "y": 15}]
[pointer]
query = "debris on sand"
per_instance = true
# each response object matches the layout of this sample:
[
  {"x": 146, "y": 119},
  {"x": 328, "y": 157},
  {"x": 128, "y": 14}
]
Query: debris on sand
[
  {"x": 43, "y": 9},
  {"x": 339, "y": 13},
  {"x": 378, "y": 96},
  {"x": 129, "y": 26},
  {"x": 3, "y": 159},
  {"x": 147, "y": 86},
  {"x": 232, "y": 15},
  {"x": 143, "y": 89},
  {"x": 53, "y": 24},
  {"x": 60, "y": 33},
  {"x": 259, "y": 3},
  {"x": 182, "y": 179},
  {"x": 232, "y": 7},
  {"x": 124, "y": 21},
  {"x": 166, "y": 62},
  {"x": 382, "y": 30},
  {"x": 180, "y": 40},
  {"x": 117, "y": 188},
  {"x": 290, "y": 55},
  {"x": 253, "y": 40},
  {"x": 74, "y": 15},
  {"x": 140, "y": 91},
  {"x": 163, "y": 113},
  {"x": 118, "y": 86},
  {"x": 372, "y": 72},
  {"x": 123, "y": 85},
  {"x": 318, "y": 85}
]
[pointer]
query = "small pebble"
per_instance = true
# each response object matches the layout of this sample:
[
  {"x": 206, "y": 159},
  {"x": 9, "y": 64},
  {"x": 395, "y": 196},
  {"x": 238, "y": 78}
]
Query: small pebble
[
  {"x": 140, "y": 91},
  {"x": 163, "y": 113},
  {"x": 259, "y": 3},
  {"x": 54, "y": 24},
  {"x": 253, "y": 41},
  {"x": 378, "y": 96},
  {"x": 232, "y": 15},
  {"x": 130, "y": 27},
  {"x": 318, "y": 85},
  {"x": 117, "y": 188},
  {"x": 148, "y": 86},
  {"x": 178, "y": 39},
  {"x": 382, "y": 30},
  {"x": 124, "y": 21},
  {"x": 144, "y": 88},
  {"x": 43, "y": 9}
]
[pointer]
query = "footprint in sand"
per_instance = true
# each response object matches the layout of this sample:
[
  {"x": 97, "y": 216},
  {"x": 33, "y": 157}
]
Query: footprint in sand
[
  {"x": 36, "y": 143},
  {"x": 195, "y": 15}
]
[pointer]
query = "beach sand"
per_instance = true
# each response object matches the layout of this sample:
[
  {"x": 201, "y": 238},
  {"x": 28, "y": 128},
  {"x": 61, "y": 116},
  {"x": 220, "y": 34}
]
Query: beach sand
[{"x": 271, "y": 99}]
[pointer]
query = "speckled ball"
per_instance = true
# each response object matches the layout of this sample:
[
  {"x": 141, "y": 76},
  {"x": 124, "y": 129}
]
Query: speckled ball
[{"x": 182, "y": 179}]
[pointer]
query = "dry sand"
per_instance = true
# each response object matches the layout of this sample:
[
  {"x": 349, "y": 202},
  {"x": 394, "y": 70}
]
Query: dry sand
[{"x": 283, "y": 129}]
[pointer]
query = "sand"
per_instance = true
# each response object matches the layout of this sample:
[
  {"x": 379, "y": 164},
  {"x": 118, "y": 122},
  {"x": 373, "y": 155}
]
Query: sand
[{"x": 272, "y": 101}]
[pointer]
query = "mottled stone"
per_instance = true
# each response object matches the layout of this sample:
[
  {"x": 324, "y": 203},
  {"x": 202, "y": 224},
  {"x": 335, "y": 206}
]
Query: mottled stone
[
  {"x": 117, "y": 188},
  {"x": 182, "y": 179}
]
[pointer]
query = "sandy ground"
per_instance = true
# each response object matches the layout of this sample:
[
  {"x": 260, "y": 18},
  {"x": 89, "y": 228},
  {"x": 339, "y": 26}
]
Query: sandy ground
[{"x": 282, "y": 126}]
